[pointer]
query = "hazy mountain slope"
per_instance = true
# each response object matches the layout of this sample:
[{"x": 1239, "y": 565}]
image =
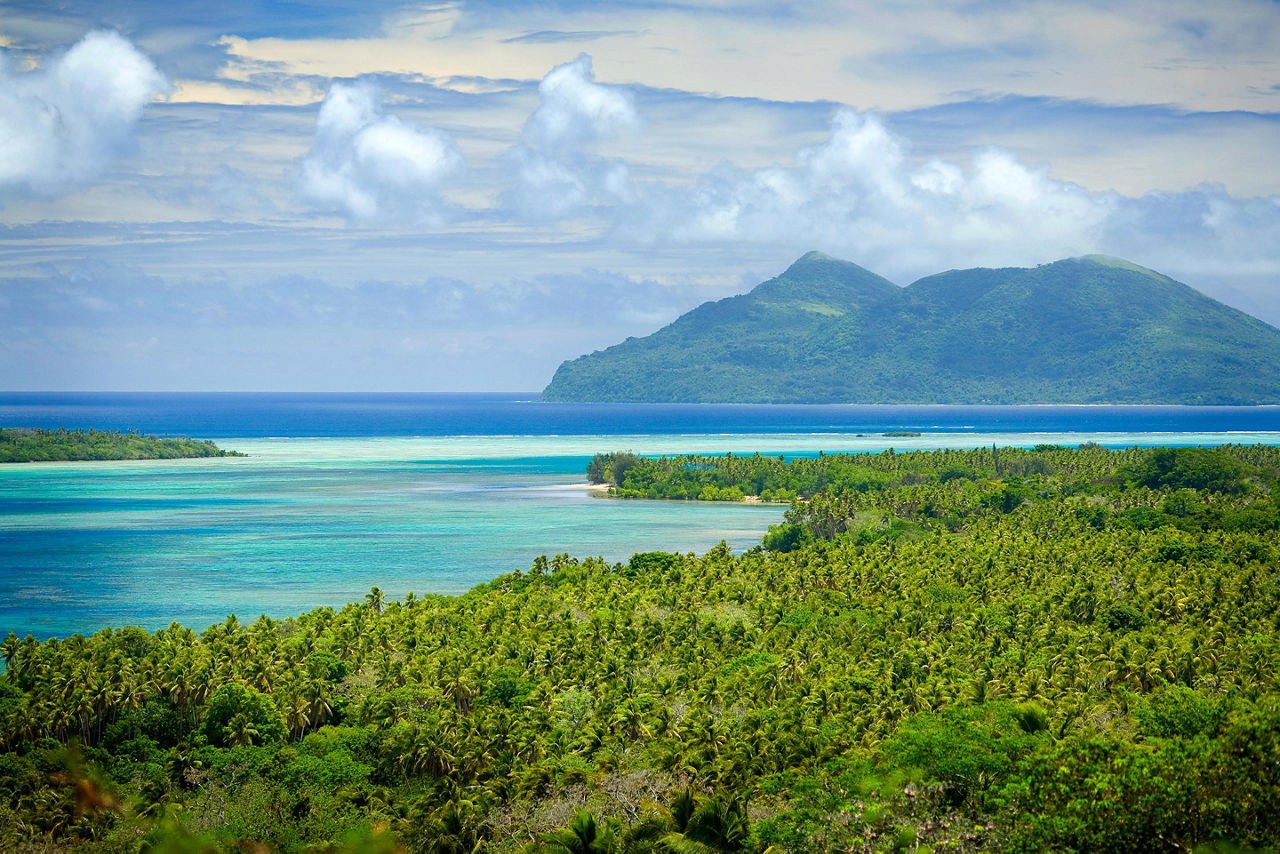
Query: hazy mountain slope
[{"x": 1081, "y": 330}]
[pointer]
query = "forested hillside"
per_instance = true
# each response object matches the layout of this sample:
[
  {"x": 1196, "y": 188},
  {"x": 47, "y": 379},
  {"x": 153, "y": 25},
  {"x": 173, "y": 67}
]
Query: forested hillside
[
  {"x": 1023, "y": 650},
  {"x": 1080, "y": 330}
]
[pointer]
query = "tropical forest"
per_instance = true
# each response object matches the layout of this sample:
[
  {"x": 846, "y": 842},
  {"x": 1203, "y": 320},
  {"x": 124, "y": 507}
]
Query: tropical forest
[
  {"x": 996, "y": 649},
  {"x": 26, "y": 445}
]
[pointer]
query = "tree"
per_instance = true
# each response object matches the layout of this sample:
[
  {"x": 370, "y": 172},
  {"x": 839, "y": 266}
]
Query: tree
[
  {"x": 1209, "y": 469},
  {"x": 10, "y": 647},
  {"x": 240, "y": 731},
  {"x": 243, "y": 714},
  {"x": 457, "y": 827},
  {"x": 584, "y": 835}
]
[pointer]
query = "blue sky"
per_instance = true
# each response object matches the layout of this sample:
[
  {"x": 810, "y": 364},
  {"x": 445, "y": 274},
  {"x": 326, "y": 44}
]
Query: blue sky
[{"x": 460, "y": 195}]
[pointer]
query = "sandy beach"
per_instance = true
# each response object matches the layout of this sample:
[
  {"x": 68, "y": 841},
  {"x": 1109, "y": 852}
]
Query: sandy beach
[{"x": 594, "y": 488}]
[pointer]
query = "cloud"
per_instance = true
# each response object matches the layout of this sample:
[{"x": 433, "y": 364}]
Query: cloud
[
  {"x": 575, "y": 111},
  {"x": 861, "y": 195},
  {"x": 1130, "y": 149},
  {"x": 373, "y": 167},
  {"x": 106, "y": 325},
  {"x": 1202, "y": 234},
  {"x": 61, "y": 124},
  {"x": 556, "y": 168},
  {"x": 560, "y": 36},
  {"x": 233, "y": 191},
  {"x": 97, "y": 294}
]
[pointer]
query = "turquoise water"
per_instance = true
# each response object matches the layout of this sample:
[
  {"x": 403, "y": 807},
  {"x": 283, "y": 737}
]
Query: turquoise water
[
  {"x": 306, "y": 523},
  {"x": 303, "y": 523}
]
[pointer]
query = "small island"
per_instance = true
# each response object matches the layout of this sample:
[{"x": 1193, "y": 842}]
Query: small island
[{"x": 26, "y": 445}]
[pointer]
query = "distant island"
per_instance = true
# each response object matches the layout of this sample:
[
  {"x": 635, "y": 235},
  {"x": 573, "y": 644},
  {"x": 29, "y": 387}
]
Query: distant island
[
  {"x": 26, "y": 445},
  {"x": 1082, "y": 330}
]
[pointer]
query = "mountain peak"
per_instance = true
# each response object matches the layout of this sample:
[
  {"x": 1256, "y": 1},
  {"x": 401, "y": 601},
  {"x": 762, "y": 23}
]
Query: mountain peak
[
  {"x": 814, "y": 264},
  {"x": 819, "y": 283}
]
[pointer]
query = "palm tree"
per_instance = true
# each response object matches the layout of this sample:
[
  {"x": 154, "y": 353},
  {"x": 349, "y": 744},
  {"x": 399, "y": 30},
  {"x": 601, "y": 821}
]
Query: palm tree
[
  {"x": 458, "y": 686},
  {"x": 316, "y": 694},
  {"x": 10, "y": 648},
  {"x": 455, "y": 828},
  {"x": 584, "y": 835},
  {"x": 630, "y": 720},
  {"x": 297, "y": 715},
  {"x": 694, "y": 825},
  {"x": 240, "y": 731}
]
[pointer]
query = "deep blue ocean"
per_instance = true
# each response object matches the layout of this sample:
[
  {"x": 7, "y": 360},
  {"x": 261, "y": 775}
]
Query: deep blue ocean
[
  {"x": 430, "y": 493},
  {"x": 230, "y": 415}
]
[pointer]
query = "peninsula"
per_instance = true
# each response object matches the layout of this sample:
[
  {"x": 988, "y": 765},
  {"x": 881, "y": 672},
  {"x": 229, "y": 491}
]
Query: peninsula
[{"x": 26, "y": 445}]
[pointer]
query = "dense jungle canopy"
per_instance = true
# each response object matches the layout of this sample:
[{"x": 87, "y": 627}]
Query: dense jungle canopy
[{"x": 993, "y": 649}]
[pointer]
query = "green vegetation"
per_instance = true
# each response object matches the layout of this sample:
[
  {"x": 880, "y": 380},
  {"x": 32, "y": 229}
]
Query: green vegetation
[
  {"x": 611, "y": 468},
  {"x": 732, "y": 478},
  {"x": 1082, "y": 330},
  {"x": 994, "y": 649},
  {"x": 25, "y": 445}
]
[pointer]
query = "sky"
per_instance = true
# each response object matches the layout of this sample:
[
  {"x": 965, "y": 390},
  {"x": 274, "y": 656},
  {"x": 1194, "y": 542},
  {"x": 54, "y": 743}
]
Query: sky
[{"x": 373, "y": 195}]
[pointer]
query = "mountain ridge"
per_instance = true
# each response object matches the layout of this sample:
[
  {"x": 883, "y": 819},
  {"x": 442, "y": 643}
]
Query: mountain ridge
[{"x": 1090, "y": 329}]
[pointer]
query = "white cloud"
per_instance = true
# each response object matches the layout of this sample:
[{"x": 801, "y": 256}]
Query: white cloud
[
  {"x": 372, "y": 166},
  {"x": 861, "y": 195},
  {"x": 556, "y": 168},
  {"x": 61, "y": 123},
  {"x": 575, "y": 111},
  {"x": 1205, "y": 236}
]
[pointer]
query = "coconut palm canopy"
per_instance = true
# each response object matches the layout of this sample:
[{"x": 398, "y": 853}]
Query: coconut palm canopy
[{"x": 1040, "y": 649}]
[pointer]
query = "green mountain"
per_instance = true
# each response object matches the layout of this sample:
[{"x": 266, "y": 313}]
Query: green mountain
[{"x": 1082, "y": 330}]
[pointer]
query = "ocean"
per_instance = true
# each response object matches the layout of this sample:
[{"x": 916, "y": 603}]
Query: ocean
[
  {"x": 234, "y": 415},
  {"x": 430, "y": 493}
]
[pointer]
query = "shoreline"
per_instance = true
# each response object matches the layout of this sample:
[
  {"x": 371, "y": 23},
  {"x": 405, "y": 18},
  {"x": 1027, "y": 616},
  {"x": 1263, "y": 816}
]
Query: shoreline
[
  {"x": 602, "y": 490},
  {"x": 599, "y": 489}
]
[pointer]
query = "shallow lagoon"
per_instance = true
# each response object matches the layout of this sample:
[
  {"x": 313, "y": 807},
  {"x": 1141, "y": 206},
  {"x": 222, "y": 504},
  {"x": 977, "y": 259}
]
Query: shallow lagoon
[
  {"x": 305, "y": 523},
  {"x": 310, "y": 522}
]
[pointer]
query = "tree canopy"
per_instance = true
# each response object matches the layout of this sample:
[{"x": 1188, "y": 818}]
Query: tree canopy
[
  {"x": 24, "y": 445},
  {"x": 994, "y": 649}
]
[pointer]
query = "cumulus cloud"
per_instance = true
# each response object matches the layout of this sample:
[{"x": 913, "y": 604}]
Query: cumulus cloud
[
  {"x": 372, "y": 166},
  {"x": 575, "y": 111},
  {"x": 556, "y": 168},
  {"x": 62, "y": 123},
  {"x": 861, "y": 194}
]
